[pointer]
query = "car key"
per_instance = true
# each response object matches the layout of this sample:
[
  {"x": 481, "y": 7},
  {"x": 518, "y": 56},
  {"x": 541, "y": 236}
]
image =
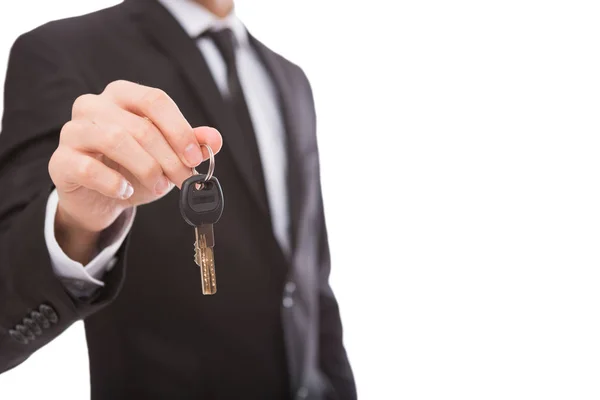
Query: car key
[{"x": 201, "y": 205}]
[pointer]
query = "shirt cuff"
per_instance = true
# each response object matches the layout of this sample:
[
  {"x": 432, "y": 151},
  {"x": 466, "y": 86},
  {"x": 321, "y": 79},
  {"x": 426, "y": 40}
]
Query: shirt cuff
[{"x": 111, "y": 240}]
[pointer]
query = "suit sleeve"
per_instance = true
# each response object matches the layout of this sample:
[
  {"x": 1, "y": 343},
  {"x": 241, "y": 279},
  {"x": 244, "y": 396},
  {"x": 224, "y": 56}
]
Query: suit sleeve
[
  {"x": 35, "y": 307},
  {"x": 333, "y": 358},
  {"x": 334, "y": 361}
]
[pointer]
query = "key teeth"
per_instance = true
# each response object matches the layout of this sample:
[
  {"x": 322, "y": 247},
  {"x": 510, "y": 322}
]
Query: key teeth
[{"x": 197, "y": 254}]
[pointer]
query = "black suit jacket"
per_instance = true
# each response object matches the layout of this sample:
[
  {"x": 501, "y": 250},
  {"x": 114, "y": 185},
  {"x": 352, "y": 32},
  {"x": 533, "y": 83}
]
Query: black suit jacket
[{"x": 151, "y": 333}]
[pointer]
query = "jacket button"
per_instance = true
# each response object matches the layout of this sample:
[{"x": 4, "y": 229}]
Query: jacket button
[
  {"x": 25, "y": 332},
  {"x": 32, "y": 326},
  {"x": 40, "y": 319},
  {"x": 302, "y": 393},
  {"x": 18, "y": 336},
  {"x": 49, "y": 313},
  {"x": 288, "y": 302},
  {"x": 290, "y": 287}
]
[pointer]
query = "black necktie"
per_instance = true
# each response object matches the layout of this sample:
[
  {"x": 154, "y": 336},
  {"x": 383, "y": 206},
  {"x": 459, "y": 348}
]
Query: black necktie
[{"x": 226, "y": 42}]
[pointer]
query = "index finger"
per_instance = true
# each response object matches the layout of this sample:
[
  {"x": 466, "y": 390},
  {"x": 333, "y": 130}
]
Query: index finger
[{"x": 159, "y": 108}]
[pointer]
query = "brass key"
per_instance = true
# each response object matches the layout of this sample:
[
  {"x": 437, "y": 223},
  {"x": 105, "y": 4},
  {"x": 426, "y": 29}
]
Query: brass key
[
  {"x": 204, "y": 257},
  {"x": 202, "y": 208},
  {"x": 201, "y": 205}
]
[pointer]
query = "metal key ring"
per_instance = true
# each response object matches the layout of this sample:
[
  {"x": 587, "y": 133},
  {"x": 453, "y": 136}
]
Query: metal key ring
[{"x": 211, "y": 167}]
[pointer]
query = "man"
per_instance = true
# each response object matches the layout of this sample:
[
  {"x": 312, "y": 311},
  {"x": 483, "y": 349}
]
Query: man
[{"x": 107, "y": 103}]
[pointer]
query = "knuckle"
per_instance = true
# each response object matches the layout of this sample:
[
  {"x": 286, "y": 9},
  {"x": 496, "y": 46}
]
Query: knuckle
[
  {"x": 144, "y": 132},
  {"x": 113, "y": 138},
  {"x": 54, "y": 164},
  {"x": 82, "y": 104},
  {"x": 173, "y": 166},
  {"x": 151, "y": 172},
  {"x": 67, "y": 130},
  {"x": 85, "y": 169},
  {"x": 115, "y": 86},
  {"x": 154, "y": 96}
]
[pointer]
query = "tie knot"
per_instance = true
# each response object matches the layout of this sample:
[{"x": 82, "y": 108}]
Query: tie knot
[{"x": 225, "y": 41}]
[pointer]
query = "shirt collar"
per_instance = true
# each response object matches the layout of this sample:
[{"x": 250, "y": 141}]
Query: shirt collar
[{"x": 195, "y": 19}]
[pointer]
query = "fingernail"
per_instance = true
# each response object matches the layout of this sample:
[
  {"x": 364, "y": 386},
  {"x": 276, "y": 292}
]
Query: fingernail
[
  {"x": 126, "y": 190},
  {"x": 193, "y": 154},
  {"x": 162, "y": 185}
]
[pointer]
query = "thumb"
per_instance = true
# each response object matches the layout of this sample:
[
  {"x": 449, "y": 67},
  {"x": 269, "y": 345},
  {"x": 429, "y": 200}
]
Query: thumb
[{"x": 210, "y": 137}]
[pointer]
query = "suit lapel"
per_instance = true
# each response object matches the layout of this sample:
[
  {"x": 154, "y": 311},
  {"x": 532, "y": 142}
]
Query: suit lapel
[
  {"x": 172, "y": 40},
  {"x": 287, "y": 101}
]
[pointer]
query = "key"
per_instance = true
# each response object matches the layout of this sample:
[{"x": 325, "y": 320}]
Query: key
[{"x": 202, "y": 208}]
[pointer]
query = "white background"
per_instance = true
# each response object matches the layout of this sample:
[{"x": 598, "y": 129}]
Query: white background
[{"x": 459, "y": 144}]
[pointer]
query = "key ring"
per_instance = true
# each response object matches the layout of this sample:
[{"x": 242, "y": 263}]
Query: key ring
[{"x": 211, "y": 167}]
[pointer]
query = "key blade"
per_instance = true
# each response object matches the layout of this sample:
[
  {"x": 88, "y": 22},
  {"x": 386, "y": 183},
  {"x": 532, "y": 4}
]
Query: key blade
[
  {"x": 204, "y": 258},
  {"x": 209, "y": 278}
]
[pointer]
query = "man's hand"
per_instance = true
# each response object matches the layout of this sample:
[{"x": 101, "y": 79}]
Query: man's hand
[{"x": 124, "y": 147}]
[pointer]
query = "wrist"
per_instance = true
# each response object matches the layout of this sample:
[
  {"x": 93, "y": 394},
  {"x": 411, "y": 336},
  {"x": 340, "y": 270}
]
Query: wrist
[{"x": 77, "y": 242}]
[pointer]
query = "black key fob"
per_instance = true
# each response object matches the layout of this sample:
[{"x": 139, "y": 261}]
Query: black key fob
[{"x": 204, "y": 205}]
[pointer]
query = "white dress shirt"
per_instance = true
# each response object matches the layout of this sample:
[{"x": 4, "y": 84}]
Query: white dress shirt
[{"x": 263, "y": 106}]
